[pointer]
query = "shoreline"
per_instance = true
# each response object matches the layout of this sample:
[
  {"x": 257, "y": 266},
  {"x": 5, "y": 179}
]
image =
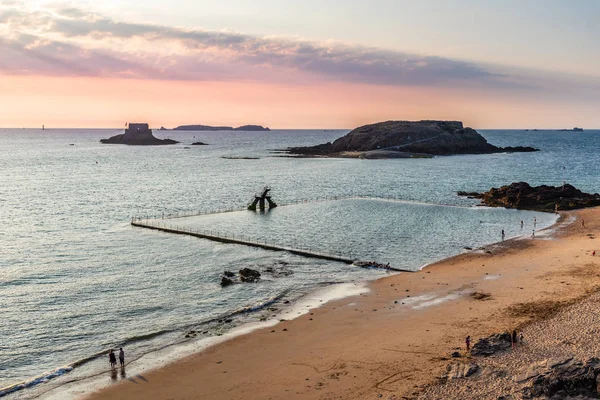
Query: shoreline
[
  {"x": 361, "y": 339},
  {"x": 175, "y": 352}
]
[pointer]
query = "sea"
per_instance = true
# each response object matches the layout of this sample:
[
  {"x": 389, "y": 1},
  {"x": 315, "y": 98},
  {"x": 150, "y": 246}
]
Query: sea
[{"x": 77, "y": 279}]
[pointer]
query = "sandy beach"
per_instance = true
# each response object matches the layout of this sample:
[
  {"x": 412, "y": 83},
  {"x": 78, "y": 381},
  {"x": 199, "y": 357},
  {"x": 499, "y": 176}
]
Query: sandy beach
[{"x": 395, "y": 341}]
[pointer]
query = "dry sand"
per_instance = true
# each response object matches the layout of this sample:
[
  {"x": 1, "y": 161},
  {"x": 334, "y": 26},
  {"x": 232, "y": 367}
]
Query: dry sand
[{"x": 395, "y": 341}]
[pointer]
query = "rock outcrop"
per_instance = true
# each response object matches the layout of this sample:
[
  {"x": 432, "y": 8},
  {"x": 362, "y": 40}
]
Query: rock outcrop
[
  {"x": 199, "y": 144},
  {"x": 408, "y": 137},
  {"x": 247, "y": 128},
  {"x": 137, "y": 135},
  {"x": 249, "y": 275},
  {"x": 246, "y": 275},
  {"x": 521, "y": 195},
  {"x": 575, "y": 378},
  {"x": 491, "y": 345}
]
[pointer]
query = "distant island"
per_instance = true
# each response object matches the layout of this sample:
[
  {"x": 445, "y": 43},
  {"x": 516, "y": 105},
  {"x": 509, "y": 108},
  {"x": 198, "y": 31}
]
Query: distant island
[
  {"x": 137, "y": 135},
  {"x": 406, "y": 139},
  {"x": 576, "y": 129},
  {"x": 247, "y": 128}
]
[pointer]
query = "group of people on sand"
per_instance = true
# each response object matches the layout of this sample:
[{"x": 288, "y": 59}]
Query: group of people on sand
[
  {"x": 112, "y": 358},
  {"x": 515, "y": 339}
]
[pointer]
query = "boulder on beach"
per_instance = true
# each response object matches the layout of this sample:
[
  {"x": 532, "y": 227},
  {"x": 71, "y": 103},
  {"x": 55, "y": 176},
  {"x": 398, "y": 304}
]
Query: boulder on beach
[
  {"x": 521, "y": 195},
  {"x": 569, "y": 380},
  {"x": 492, "y": 344},
  {"x": 407, "y": 138},
  {"x": 199, "y": 144}
]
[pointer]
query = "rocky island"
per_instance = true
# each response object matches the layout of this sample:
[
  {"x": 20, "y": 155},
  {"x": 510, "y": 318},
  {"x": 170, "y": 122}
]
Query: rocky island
[
  {"x": 406, "y": 139},
  {"x": 137, "y": 135},
  {"x": 246, "y": 128},
  {"x": 522, "y": 196}
]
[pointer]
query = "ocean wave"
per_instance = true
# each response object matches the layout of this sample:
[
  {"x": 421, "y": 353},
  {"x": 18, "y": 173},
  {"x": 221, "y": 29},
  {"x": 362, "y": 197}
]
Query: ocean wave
[
  {"x": 47, "y": 376},
  {"x": 36, "y": 380}
]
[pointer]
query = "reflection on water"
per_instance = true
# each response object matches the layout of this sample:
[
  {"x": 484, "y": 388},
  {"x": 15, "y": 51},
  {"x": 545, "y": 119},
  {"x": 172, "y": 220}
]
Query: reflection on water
[
  {"x": 77, "y": 279},
  {"x": 406, "y": 235}
]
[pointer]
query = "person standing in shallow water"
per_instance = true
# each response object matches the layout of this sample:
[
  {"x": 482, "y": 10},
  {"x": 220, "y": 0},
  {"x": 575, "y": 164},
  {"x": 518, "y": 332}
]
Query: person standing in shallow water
[
  {"x": 502, "y": 234},
  {"x": 112, "y": 359},
  {"x": 521, "y": 224},
  {"x": 121, "y": 357}
]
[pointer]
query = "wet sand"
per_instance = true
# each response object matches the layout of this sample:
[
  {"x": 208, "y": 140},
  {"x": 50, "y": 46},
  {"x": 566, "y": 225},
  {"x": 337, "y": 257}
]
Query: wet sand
[{"x": 394, "y": 341}]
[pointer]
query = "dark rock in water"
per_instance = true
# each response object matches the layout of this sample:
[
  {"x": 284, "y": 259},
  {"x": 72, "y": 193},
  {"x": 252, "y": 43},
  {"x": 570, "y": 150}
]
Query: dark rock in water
[
  {"x": 249, "y": 275},
  {"x": 229, "y": 274},
  {"x": 408, "y": 137},
  {"x": 279, "y": 271},
  {"x": 199, "y": 144},
  {"x": 372, "y": 264},
  {"x": 567, "y": 381},
  {"x": 162, "y": 128},
  {"x": 522, "y": 196},
  {"x": 225, "y": 281},
  {"x": 491, "y": 345},
  {"x": 137, "y": 135}
]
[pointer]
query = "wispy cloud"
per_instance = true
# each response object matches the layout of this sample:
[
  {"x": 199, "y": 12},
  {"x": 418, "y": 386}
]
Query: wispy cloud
[{"x": 69, "y": 41}]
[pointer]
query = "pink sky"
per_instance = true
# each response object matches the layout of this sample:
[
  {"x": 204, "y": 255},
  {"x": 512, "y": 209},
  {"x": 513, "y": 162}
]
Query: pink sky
[{"x": 70, "y": 67}]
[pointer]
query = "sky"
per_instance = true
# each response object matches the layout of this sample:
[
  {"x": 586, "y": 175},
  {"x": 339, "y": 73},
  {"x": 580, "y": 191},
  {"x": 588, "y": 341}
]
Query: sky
[{"x": 299, "y": 64}]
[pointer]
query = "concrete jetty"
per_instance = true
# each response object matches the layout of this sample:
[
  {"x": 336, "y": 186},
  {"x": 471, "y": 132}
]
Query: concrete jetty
[{"x": 178, "y": 230}]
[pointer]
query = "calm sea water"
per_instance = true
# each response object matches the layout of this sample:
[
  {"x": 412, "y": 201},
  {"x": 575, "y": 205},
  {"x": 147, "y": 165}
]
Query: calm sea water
[{"x": 76, "y": 278}]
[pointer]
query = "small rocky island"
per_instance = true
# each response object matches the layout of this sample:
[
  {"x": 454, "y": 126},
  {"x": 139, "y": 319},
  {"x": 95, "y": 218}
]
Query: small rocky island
[
  {"x": 246, "y": 128},
  {"x": 522, "y": 196},
  {"x": 137, "y": 135},
  {"x": 406, "y": 139}
]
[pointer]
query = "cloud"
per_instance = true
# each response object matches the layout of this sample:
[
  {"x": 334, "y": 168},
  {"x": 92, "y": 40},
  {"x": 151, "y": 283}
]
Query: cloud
[
  {"x": 72, "y": 40},
  {"x": 69, "y": 41}
]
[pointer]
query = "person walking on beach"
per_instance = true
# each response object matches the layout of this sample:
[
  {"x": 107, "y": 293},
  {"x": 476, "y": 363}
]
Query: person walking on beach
[
  {"x": 582, "y": 223},
  {"x": 503, "y": 235},
  {"x": 112, "y": 359},
  {"x": 468, "y": 343},
  {"x": 514, "y": 339},
  {"x": 121, "y": 357},
  {"x": 533, "y": 234}
]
